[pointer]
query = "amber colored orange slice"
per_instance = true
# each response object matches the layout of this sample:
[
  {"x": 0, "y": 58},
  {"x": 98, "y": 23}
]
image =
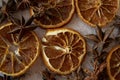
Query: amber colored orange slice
[
  {"x": 16, "y": 57},
  {"x": 63, "y": 50},
  {"x": 97, "y": 12},
  {"x": 55, "y": 13},
  {"x": 113, "y": 63}
]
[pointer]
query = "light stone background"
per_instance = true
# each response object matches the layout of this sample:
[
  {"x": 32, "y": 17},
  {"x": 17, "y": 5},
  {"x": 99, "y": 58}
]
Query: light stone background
[{"x": 34, "y": 73}]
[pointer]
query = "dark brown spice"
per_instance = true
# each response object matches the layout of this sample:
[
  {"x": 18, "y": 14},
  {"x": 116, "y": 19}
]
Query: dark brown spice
[
  {"x": 102, "y": 39},
  {"x": 22, "y": 27},
  {"x": 7, "y": 9}
]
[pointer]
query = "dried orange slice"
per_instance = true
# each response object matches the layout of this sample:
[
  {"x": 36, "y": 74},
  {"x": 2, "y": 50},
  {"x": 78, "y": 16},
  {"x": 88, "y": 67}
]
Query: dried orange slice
[
  {"x": 113, "y": 63},
  {"x": 54, "y": 13},
  {"x": 17, "y": 57},
  {"x": 63, "y": 50},
  {"x": 97, "y": 12}
]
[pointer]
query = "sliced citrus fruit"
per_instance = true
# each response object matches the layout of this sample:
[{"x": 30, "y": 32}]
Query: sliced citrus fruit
[
  {"x": 16, "y": 57},
  {"x": 113, "y": 63},
  {"x": 97, "y": 12},
  {"x": 53, "y": 13},
  {"x": 63, "y": 50}
]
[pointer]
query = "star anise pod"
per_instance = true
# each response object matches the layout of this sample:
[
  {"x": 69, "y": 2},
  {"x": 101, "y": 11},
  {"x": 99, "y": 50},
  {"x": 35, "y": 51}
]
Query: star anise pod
[
  {"x": 22, "y": 26},
  {"x": 101, "y": 39},
  {"x": 7, "y": 9}
]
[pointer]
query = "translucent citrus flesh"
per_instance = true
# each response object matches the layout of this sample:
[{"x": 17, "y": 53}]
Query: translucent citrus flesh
[
  {"x": 97, "y": 12},
  {"x": 113, "y": 65},
  {"x": 63, "y": 50},
  {"x": 16, "y": 57},
  {"x": 58, "y": 13}
]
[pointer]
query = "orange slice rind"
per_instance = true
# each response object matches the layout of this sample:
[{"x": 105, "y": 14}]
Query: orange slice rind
[
  {"x": 17, "y": 57},
  {"x": 56, "y": 14},
  {"x": 97, "y": 12},
  {"x": 63, "y": 50},
  {"x": 113, "y": 63}
]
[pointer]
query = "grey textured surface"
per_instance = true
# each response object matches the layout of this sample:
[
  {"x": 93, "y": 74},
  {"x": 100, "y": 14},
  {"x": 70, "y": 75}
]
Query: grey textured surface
[{"x": 34, "y": 73}]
